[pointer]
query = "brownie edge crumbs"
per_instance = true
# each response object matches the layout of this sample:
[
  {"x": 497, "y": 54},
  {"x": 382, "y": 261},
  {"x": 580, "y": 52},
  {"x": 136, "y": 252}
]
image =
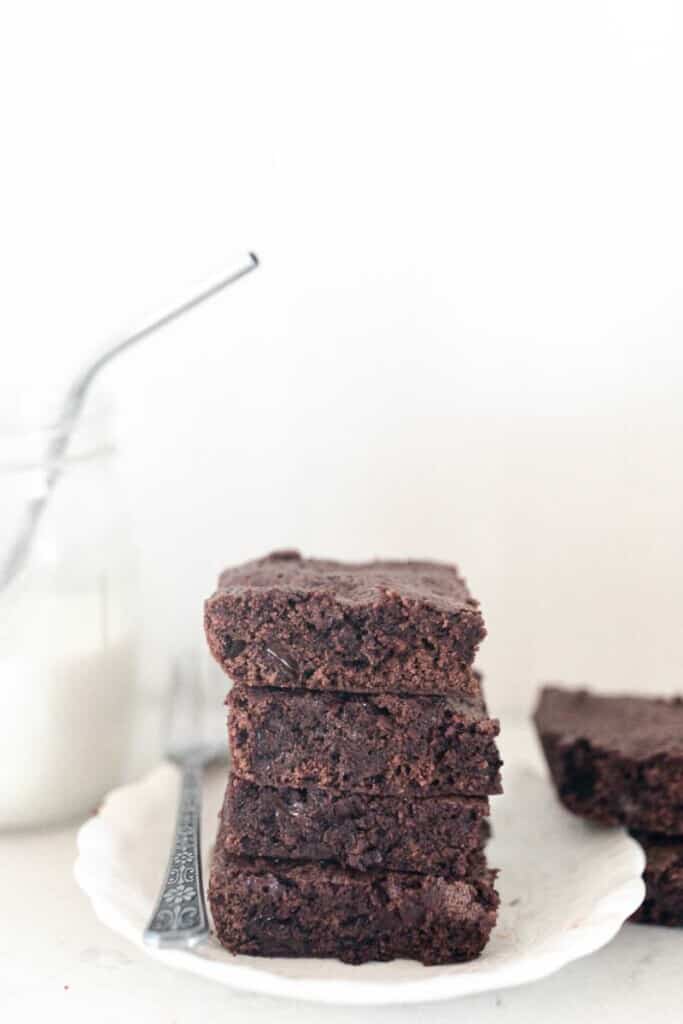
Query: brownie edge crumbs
[
  {"x": 279, "y": 908},
  {"x": 615, "y": 760},
  {"x": 433, "y": 835},
  {"x": 382, "y": 744},
  {"x": 663, "y": 877},
  {"x": 286, "y": 621}
]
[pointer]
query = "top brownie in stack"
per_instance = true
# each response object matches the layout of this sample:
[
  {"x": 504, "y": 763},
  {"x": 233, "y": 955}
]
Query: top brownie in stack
[{"x": 399, "y": 627}]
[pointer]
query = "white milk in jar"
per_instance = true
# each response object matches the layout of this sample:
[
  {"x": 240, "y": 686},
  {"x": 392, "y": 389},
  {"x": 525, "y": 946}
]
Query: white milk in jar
[{"x": 67, "y": 633}]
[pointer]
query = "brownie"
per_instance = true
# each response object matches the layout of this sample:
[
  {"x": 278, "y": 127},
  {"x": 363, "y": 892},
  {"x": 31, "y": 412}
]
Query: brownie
[
  {"x": 615, "y": 760},
  {"x": 409, "y": 627},
  {"x": 279, "y": 908},
  {"x": 430, "y": 835},
  {"x": 385, "y": 744},
  {"x": 663, "y": 879}
]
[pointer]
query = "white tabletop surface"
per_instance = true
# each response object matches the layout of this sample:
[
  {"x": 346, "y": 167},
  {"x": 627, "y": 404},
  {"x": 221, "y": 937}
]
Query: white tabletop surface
[{"x": 58, "y": 963}]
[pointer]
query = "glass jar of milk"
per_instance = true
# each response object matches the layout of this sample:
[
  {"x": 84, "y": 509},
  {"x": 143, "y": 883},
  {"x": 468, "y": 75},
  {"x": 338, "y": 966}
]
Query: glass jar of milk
[{"x": 67, "y": 628}]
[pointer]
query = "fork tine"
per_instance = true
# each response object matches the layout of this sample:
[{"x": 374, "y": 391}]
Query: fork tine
[
  {"x": 192, "y": 716},
  {"x": 170, "y": 701},
  {"x": 183, "y": 711}
]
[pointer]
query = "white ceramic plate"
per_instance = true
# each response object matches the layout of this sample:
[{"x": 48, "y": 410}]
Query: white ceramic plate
[{"x": 565, "y": 887}]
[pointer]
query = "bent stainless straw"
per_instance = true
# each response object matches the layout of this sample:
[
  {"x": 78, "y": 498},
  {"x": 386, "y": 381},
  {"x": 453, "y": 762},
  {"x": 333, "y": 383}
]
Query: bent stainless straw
[{"x": 73, "y": 403}]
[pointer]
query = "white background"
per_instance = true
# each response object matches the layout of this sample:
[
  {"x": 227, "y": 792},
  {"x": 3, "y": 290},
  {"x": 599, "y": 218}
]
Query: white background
[{"x": 465, "y": 339}]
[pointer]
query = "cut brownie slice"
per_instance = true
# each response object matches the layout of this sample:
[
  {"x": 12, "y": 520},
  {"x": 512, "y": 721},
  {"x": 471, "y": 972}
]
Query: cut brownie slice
[
  {"x": 280, "y": 908},
  {"x": 663, "y": 879},
  {"x": 384, "y": 744},
  {"x": 287, "y": 621},
  {"x": 615, "y": 760},
  {"x": 429, "y": 835}
]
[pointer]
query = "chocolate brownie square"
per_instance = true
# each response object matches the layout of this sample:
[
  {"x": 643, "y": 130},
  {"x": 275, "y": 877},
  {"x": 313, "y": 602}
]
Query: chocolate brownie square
[
  {"x": 281, "y": 908},
  {"x": 441, "y": 835},
  {"x": 382, "y": 744},
  {"x": 663, "y": 879},
  {"x": 286, "y": 621},
  {"x": 615, "y": 760}
]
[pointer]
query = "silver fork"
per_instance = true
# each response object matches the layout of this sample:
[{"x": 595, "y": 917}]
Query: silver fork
[{"x": 179, "y": 920}]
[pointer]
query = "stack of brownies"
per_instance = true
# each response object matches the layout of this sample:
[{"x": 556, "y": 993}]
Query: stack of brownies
[
  {"x": 363, "y": 756},
  {"x": 619, "y": 761}
]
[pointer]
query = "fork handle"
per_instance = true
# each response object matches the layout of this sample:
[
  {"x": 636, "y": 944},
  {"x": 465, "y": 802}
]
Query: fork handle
[{"x": 179, "y": 919}]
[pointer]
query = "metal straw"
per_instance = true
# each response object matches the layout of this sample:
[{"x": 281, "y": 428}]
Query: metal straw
[{"x": 71, "y": 409}]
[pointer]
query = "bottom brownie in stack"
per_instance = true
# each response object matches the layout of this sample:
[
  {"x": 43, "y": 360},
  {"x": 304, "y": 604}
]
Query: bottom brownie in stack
[
  {"x": 315, "y": 908},
  {"x": 343, "y": 832}
]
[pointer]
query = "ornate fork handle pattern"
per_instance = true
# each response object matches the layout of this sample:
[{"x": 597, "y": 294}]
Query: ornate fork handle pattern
[{"x": 180, "y": 918}]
